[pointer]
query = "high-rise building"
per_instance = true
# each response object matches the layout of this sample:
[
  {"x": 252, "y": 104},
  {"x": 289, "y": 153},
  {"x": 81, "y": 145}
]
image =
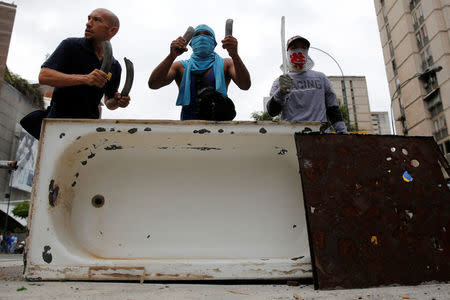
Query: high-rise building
[
  {"x": 357, "y": 100},
  {"x": 7, "y": 15},
  {"x": 380, "y": 122},
  {"x": 415, "y": 37}
]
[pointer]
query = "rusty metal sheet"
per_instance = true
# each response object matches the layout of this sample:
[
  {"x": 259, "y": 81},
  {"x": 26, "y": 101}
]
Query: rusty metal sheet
[{"x": 377, "y": 210}]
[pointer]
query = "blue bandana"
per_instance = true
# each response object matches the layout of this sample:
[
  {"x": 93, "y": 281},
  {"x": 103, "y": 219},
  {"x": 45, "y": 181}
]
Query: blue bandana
[{"x": 201, "y": 60}]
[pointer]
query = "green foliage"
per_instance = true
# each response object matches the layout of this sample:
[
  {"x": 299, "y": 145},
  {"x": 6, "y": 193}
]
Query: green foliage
[
  {"x": 344, "y": 111},
  {"x": 30, "y": 91},
  {"x": 21, "y": 210},
  {"x": 264, "y": 116}
]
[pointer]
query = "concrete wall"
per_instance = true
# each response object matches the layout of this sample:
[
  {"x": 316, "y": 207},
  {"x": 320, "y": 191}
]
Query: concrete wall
[{"x": 13, "y": 106}]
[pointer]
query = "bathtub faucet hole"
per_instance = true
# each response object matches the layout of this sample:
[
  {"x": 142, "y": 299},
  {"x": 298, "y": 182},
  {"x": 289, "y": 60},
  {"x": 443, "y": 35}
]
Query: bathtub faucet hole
[{"x": 98, "y": 201}]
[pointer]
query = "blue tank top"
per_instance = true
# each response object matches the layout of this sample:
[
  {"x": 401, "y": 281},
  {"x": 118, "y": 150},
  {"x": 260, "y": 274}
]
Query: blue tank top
[{"x": 188, "y": 111}]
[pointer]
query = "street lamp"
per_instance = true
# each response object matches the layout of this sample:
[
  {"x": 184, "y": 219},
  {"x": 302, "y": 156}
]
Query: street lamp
[
  {"x": 422, "y": 75},
  {"x": 344, "y": 91},
  {"x": 11, "y": 166}
]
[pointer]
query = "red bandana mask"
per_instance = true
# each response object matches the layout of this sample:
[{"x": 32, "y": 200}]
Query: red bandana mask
[{"x": 297, "y": 59}]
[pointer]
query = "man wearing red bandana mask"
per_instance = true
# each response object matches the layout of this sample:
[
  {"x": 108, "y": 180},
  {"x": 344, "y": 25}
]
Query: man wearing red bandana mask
[{"x": 304, "y": 95}]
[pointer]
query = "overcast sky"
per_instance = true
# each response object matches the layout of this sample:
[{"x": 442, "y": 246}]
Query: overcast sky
[{"x": 346, "y": 29}]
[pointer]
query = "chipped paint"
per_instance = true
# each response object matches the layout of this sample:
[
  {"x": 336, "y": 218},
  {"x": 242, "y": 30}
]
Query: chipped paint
[
  {"x": 132, "y": 130},
  {"x": 46, "y": 255}
]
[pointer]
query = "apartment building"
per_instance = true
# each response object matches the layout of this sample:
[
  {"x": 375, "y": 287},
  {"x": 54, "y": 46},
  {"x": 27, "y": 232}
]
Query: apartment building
[{"x": 416, "y": 48}]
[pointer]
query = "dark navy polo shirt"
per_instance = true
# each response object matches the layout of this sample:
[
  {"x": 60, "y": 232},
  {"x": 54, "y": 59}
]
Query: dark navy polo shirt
[{"x": 77, "y": 56}]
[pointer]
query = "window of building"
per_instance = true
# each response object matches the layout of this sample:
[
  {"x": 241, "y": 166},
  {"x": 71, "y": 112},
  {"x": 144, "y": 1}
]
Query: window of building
[
  {"x": 419, "y": 40},
  {"x": 441, "y": 147},
  {"x": 427, "y": 58},
  {"x": 434, "y": 104},
  {"x": 420, "y": 13},
  {"x": 391, "y": 48},
  {"x": 394, "y": 67},
  {"x": 397, "y": 85},
  {"x": 415, "y": 20},
  {"x": 440, "y": 127},
  {"x": 413, "y": 4},
  {"x": 424, "y": 34},
  {"x": 382, "y": 2},
  {"x": 430, "y": 83},
  {"x": 388, "y": 31},
  {"x": 447, "y": 146}
]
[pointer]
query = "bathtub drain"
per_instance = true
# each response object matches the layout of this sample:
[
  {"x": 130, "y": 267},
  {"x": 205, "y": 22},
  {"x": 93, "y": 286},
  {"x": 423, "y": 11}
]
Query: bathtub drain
[{"x": 98, "y": 201}]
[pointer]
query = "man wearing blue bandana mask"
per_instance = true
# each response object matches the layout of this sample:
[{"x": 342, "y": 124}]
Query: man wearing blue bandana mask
[{"x": 204, "y": 64}]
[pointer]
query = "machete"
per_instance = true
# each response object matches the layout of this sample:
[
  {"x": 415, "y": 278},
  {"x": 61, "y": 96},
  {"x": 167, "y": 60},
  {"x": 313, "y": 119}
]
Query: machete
[
  {"x": 130, "y": 76},
  {"x": 188, "y": 34},
  {"x": 107, "y": 58},
  {"x": 229, "y": 27},
  {"x": 283, "y": 45}
]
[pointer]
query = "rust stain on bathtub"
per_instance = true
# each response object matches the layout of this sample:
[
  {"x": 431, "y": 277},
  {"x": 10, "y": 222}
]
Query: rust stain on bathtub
[
  {"x": 301, "y": 264},
  {"x": 137, "y": 273},
  {"x": 293, "y": 271},
  {"x": 253, "y": 264},
  {"x": 167, "y": 275}
]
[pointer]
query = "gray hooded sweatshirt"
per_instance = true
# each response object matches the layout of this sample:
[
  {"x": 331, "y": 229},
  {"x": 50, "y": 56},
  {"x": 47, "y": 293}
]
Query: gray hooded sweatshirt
[{"x": 311, "y": 99}]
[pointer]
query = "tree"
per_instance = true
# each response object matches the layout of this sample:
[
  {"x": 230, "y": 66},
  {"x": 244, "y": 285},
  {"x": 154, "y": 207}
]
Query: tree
[
  {"x": 344, "y": 111},
  {"x": 30, "y": 91},
  {"x": 21, "y": 210},
  {"x": 264, "y": 116}
]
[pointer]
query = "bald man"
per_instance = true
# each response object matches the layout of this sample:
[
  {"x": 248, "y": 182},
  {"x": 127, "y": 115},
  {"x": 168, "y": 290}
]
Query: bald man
[{"x": 74, "y": 70}]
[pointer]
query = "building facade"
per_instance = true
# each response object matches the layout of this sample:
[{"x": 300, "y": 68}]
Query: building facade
[
  {"x": 7, "y": 15},
  {"x": 380, "y": 122},
  {"x": 415, "y": 36},
  {"x": 357, "y": 100}
]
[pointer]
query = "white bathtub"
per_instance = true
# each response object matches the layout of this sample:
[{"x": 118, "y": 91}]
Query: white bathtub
[{"x": 167, "y": 200}]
